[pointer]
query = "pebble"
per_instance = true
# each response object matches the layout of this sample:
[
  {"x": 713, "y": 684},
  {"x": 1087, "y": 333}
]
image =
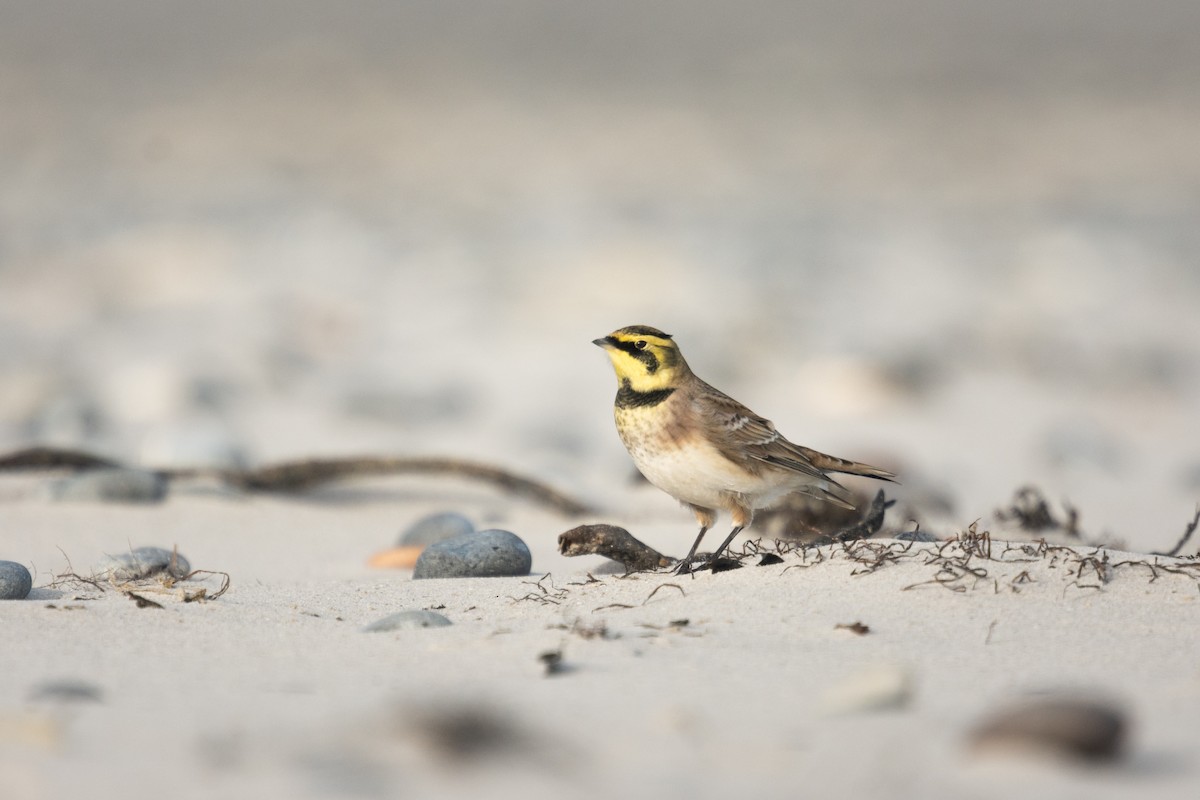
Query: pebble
[
  {"x": 435, "y": 528},
  {"x": 15, "y": 581},
  {"x": 111, "y": 485},
  {"x": 487, "y": 554},
  {"x": 1067, "y": 727},
  {"x": 405, "y": 620},
  {"x": 143, "y": 562}
]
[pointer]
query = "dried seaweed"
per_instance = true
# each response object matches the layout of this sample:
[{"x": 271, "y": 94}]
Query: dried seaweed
[
  {"x": 871, "y": 522},
  {"x": 1032, "y": 513},
  {"x": 799, "y": 518},
  {"x": 142, "y": 602},
  {"x": 664, "y": 586},
  {"x": 1187, "y": 534},
  {"x": 547, "y": 596},
  {"x": 161, "y": 582}
]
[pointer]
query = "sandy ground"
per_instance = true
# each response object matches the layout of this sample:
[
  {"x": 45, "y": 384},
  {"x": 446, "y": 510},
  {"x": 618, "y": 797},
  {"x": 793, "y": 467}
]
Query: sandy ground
[
  {"x": 955, "y": 240},
  {"x": 699, "y": 686}
]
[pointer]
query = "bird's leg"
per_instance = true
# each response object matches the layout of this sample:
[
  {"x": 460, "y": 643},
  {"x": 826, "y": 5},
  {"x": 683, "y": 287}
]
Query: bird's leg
[
  {"x": 685, "y": 566},
  {"x": 717, "y": 553}
]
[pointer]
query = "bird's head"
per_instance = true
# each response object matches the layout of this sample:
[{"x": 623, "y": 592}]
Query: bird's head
[{"x": 645, "y": 358}]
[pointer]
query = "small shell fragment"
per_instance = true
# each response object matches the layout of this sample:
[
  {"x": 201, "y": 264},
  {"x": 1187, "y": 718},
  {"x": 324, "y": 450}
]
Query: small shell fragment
[{"x": 396, "y": 557}]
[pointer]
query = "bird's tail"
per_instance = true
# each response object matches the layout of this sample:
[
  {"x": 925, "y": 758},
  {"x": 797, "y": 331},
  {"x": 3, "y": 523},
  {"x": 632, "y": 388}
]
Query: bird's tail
[{"x": 827, "y": 463}]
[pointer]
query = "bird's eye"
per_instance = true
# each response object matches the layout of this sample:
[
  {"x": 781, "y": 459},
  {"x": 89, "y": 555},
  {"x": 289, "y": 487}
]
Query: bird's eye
[{"x": 640, "y": 344}]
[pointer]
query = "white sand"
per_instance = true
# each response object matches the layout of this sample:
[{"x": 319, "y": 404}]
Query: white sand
[{"x": 273, "y": 688}]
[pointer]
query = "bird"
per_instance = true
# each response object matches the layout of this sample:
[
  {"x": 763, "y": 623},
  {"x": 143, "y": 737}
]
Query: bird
[{"x": 705, "y": 449}]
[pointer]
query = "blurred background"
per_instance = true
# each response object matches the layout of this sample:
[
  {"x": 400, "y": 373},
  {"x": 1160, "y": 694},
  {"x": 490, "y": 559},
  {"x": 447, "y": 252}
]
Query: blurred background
[{"x": 956, "y": 238}]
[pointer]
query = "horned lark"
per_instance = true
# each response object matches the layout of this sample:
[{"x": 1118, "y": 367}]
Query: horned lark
[{"x": 704, "y": 448}]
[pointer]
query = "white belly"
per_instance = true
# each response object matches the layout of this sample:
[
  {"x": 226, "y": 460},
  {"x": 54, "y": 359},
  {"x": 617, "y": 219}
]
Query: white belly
[{"x": 695, "y": 472}]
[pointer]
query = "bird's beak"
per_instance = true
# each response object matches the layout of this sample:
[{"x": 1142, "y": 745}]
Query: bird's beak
[{"x": 606, "y": 342}]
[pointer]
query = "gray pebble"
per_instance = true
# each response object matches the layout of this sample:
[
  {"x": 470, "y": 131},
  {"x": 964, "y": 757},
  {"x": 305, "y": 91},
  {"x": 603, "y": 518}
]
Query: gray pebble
[
  {"x": 404, "y": 620},
  {"x": 487, "y": 554},
  {"x": 435, "y": 528},
  {"x": 111, "y": 485},
  {"x": 143, "y": 562},
  {"x": 15, "y": 581}
]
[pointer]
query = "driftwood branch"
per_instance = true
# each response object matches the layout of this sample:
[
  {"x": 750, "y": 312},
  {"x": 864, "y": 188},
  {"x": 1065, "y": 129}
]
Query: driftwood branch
[
  {"x": 52, "y": 458},
  {"x": 304, "y": 475},
  {"x": 299, "y": 476}
]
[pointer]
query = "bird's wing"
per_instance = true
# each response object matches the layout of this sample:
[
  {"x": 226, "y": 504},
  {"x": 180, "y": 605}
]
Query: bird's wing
[
  {"x": 751, "y": 441},
  {"x": 746, "y": 438}
]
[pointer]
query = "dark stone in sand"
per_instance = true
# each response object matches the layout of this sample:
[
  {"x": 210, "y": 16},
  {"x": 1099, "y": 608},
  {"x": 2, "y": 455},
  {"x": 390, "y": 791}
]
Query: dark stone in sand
[
  {"x": 435, "y": 528},
  {"x": 403, "y": 620},
  {"x": 1068, "y": 727},
  {"x": 113, "y": 485},
  {"x": 487, "y": 554},
  {"x": 15, "y": 581}
]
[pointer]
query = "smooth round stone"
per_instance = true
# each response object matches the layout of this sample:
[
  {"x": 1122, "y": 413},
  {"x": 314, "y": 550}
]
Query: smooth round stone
[
  {"x": 142, "y": 562},
  {"x": 115, "y": 485},
  {"x": 15, "y": 581},
  {"x": 405, "y": 620},
  {"x": 488, "y": 554},
  {"x": 435, "y": 528}
]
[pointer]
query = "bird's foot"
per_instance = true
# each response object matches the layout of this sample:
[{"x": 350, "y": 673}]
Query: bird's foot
[
  {"x": 683, "y": 567},
  {"x": 706, "y": 561}
]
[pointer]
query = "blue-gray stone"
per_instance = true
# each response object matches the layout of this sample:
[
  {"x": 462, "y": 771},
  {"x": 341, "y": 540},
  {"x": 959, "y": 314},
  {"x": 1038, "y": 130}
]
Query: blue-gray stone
[
  {"x": 403, "y": 620},
  {"x": 143, "y": 562},
  {"x": 15, "y": 581},
  {"x": 487, "y": 554},
  {"x": 435, "y": 528},
  {"x": 111, "y": 485}
]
